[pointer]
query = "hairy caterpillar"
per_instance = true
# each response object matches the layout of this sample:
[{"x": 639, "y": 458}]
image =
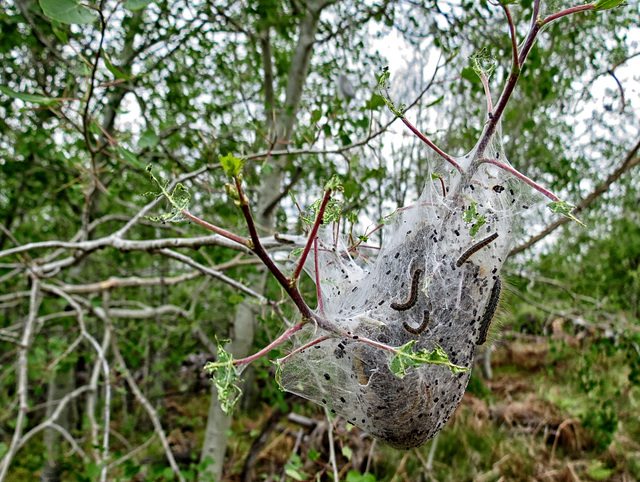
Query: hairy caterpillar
[
  {"x": 489, "y": 311},
  {"x": 421, "y": 328},
  {"x": 476, "y": 247},
  {"x": 414, "y": 294}
]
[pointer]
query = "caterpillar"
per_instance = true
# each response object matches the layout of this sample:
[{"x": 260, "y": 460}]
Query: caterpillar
[
  {"x": 414, "y": 294},
  {"x": 421, "y": 328},
  {"x": 476, "y": 247},
  {"x": 489, "y": 311}
]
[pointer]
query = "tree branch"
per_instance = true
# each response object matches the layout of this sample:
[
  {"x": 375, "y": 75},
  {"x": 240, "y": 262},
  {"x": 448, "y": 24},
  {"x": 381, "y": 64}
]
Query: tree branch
[{"x": 628, "y": 163}]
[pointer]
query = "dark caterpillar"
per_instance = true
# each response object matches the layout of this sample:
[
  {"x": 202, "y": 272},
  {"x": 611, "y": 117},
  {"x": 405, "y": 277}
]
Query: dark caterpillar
[
  {"x": 421, "y": 328},
  {"x": 489, "y": 311},
  {"x": 476, "y": 247},
  {"x": 414, "y": 294}
]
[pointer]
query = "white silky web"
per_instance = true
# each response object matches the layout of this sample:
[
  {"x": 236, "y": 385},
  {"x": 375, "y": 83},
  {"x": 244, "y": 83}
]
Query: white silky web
[{"x": 353, "y": 379}]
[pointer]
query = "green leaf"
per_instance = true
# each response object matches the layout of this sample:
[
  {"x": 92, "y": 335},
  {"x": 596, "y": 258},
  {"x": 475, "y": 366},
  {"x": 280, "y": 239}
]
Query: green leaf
[
  {"x": 607, "y": 4},
  {"x": 148, "y": 139},
  {"x": 469, "y": 74},
  {"x": 36, "y": 99},
  {"x": 354, "y": 476},
  {"x": 599, "y": 472},
  {"x": 136, "y": 4},
  {"x": 406, "y": 358},
  {"x": 347, "y": 452},
  {"x": 437, "y": 101},
  {"x": 225, "y": 377},
  {"x": 62, "y": 36},
  {"x": 477, "y": 225},
  {"x": 129, "y": 157},
  {"x": 179, "y": 198},
  {"x": 564, "y": 208},
  {"x": 231, "y": 165},
  {"x": 67, "y": 11},
  {"x": 315, "y": 116},
  {"x": 313, "y": 455},
  {"x": 117, "y": 74},
  {"x": 375, "y": 102},
  {"x": 293, "y": 473}
]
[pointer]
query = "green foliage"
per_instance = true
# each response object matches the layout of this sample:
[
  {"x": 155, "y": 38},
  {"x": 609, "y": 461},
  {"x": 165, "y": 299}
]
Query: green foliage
[
  {"x": 406, "y": 358},
  {"x": 36, "y": 99},
  {"x": 67, "y": 11},
  {"x": 598, "y": 471},
  {"x": 353, "y": 476},
  {"x": 607, "y": 4},
  {"x": 113, "y": 69},
  {"x": 137, "y": 4},
  {"x": 602, "y": 421},
  {"x": 231, "y": 165},
  {"x": 333, "y": 208},
  {"x": 293, "y": 468}
]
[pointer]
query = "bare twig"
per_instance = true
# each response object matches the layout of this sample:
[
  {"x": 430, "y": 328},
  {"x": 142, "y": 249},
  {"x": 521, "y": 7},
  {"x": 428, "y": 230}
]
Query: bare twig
[
  {"x": 628, "y": 163},
  {"x": 133, "y": 452},
  {"x": 522, "y": 177},
  {"x": 312, "y": 236},
  {"x": 104, "y": 365},
  {"x": 435, "y": 148},
  {"x": 211, "y": 272},
  {"x": 50, "y": 421},
  {"x": 332, "y": 449},
  {"x": 155, "y": 420},
  {"x": 22, "y": 378}
]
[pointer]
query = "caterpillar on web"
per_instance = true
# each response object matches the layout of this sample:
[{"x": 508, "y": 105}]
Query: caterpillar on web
[
  {"x": 475, "y": 248},
  {"x": 489, "y": 311},
  {"x": 414, "y": 294},
  {"x": 421, "y": 328}
]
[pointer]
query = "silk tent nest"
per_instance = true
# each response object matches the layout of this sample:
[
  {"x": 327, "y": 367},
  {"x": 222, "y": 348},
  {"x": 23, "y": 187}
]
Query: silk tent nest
[{"x": 436, "y": 281}]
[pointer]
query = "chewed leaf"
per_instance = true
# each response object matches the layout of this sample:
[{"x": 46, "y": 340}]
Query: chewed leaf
[
  {"x": 332, "y": 212},
  {"x": 179, "y": 198},
  {"x": 471, "y": 215},
  {"x": 225, "y": 377},
  {"x": 564, "y": 208},
  {"x": 334, "y": 184},
  {"x": 483, "y": 62},
  {"x": 406, "y": 358},
  {"x": 383, "y": 88}
]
